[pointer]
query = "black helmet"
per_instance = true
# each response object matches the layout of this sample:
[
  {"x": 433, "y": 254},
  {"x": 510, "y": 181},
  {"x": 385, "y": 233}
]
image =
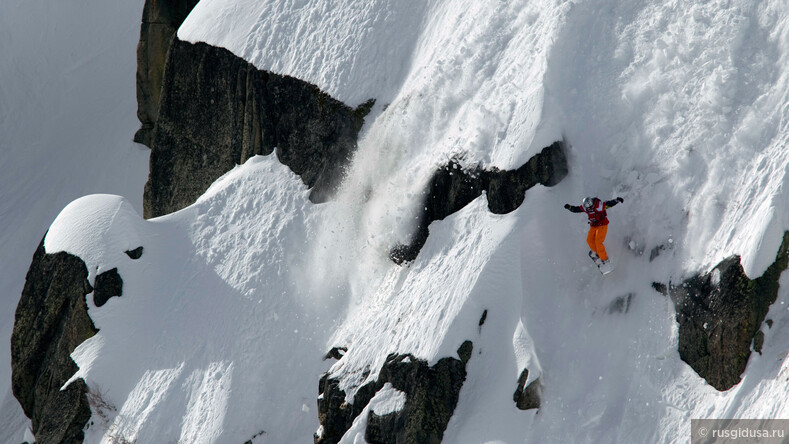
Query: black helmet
[{"x": 588, "y": 203}]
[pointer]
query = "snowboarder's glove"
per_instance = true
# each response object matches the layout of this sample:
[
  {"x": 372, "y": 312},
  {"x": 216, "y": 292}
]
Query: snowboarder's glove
[
  {"x": 620, "y": 199},
  {"x": 566, "y": 206}
]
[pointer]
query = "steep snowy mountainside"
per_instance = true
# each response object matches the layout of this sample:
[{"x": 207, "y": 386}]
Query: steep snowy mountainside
[
  {"x": 680, "y": 109},
  {"x": 400, "y": 53},
  {"x": 67, "y": 114},
  {"x": 225, "y": 342}
]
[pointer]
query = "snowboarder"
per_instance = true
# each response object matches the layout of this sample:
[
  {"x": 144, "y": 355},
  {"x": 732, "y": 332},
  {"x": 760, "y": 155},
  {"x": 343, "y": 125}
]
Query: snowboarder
[{"x": 598, "y": 224}]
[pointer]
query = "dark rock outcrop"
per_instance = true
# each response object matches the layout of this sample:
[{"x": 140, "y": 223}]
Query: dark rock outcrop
[
  {"x": 51, "y": 321},
  {"x": 160, "y": 21},
  {"x": 453, "y": 187},
  {"x": 335, "y": 353},
  {"x": 135, "y": 254},
  {"x": 217, "y": 110},
  {"x": 431, "y": 397},
  {"x": 720, "y": 314},
  {"x": 527, "y": 396},
  {"x": 107, "y": 285}
]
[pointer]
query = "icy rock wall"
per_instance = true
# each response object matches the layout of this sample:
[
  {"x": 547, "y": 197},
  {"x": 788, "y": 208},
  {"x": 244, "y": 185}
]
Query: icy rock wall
[
  {"x": 453, "y": 187},
  {"x": 431, "y": 397},
  {"x": 160, "y": 21},
  {"x": 721, "y": 314},
  {"x": 51, "y": 321},
  {"x": 217, "y": 111}
]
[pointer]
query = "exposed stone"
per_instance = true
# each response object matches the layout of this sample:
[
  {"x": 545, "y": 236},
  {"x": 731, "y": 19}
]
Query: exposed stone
[
  {"x": 453, "y": 187},
  {"x": 107, "y": 285},
  {"x": 51, "y": 321},
  {"x": 335, "y": 353},
  {"x": 160, "y": 21},
  {"x": 506, "y": 189},
  {"x": 464, "y": 351},
  {"x": 482, "y": 319},
  {"x": 135, "y": 254},
  {"x": 720, "y": 314},
  {"x": 656, "y": 252},
  {"x": 758, "y": 341},
  {"x": 431, "y": 397},
  {"x": 217, "y": 110},
  {"x": 334, "y": 413},
  {"x": 258, "y": 434},
  {"x": 380, "y": 428},
  {"x": 527, "y": 396},
  {"x": 660, "y": 288},
  {"x": 65, "y": 415}
]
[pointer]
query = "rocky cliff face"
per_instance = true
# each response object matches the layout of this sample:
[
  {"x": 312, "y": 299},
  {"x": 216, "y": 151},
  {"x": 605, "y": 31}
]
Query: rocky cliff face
[
  {"x": 720, "y": 316},
  {"x": 217, "y": 110},
  {"x": 160, "y": 21},
  {"x": 431, "y": 397},
  {"x": 527, "y": 396},
  {"x": 51, "y": 321},
  {"x": 453, "y": 187}
]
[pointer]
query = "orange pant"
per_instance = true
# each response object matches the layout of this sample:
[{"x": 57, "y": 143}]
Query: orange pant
[{"x": 595, "y": 240}]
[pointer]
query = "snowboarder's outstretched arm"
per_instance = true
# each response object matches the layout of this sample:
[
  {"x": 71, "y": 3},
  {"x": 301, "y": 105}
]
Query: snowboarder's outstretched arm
[
  {"x": 612, "y": 202},
  {"x": 579, "y": 209},
  {"x": 574, "y": 208}
]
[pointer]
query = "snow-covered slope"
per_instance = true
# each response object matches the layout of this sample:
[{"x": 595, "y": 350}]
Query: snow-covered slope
[
  {"x": 224, "y": 343},
  {"x": 67, "y": 117},
  {"x": 679, "y": 106},
  {"x": 680, "y": 109}
]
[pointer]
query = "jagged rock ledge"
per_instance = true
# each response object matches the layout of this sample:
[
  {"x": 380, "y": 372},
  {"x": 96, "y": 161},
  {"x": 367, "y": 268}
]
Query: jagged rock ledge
[
  {"x": 720, "y": 316},
  {"x": 453, "y": 187},
  {"x": 431, "y": 397},
  {"x": 51, "y": 321},
  {"x": 160, "y": 21},
  {"x": 217, "y": 110},
  {"x": 529, "y": 396}
]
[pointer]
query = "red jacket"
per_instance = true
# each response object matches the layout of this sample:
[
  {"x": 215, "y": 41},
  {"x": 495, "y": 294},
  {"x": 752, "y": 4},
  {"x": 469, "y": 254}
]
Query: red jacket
[{"x": 597, "y": 215}]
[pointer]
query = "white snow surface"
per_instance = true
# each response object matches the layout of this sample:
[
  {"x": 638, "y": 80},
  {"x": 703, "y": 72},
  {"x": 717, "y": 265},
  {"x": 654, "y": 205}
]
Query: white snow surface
[
  {"x": 679, "y": 108},
  {"x": 682, "y": 109}
]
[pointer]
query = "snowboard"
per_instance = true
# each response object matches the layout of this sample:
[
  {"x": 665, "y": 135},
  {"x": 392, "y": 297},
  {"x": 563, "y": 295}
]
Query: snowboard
[{"x": 604, "y": 268}]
